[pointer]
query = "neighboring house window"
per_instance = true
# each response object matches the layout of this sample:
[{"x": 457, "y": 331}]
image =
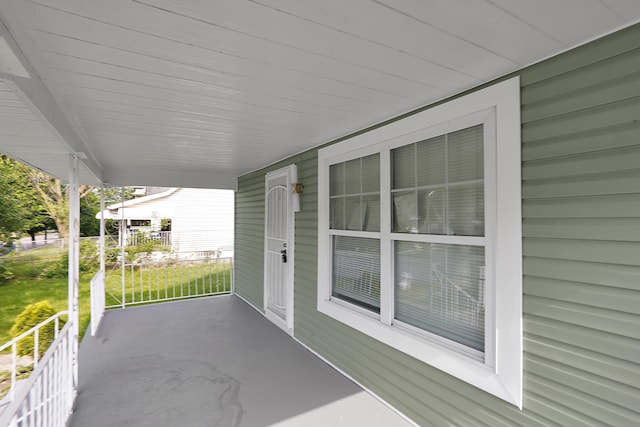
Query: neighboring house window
[
  {"x": 141, "y": 223},
  {"x": 165, "y": 224},
  {"x": 420, "y": 237}
]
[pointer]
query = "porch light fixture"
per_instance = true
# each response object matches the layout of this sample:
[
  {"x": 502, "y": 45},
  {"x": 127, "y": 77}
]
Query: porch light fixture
[{"x": 298, "y": 188}]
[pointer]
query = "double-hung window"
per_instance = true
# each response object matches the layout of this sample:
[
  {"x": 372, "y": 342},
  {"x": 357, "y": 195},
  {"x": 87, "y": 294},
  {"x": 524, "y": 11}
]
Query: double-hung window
[{"x": 419, "y": 237}]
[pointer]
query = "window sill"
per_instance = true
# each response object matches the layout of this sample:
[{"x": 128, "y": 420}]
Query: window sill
[{"x": 439, "y": 356}]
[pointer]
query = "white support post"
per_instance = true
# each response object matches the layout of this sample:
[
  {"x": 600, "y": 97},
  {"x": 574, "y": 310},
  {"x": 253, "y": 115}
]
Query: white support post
[
  {"x": 102, "y": 230},
  {"x": 123, "y": 231},
  {"x": 74, "y": 258}
]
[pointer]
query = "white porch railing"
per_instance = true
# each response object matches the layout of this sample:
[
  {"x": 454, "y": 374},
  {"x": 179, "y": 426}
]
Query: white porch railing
[
  {"x": 159, "y": 237},
  {"x": 46, "y": 397},
  {"x": 150, "y": 282},
  {"x": 97, "y": 300}
]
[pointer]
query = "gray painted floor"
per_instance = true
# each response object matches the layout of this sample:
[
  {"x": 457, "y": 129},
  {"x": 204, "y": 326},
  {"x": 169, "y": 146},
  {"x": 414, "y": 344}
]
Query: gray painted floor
[{"x": 211, "y": 362}]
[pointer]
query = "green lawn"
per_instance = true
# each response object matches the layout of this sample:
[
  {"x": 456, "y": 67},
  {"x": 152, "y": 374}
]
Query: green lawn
[
  {"x": 183, "y": 279},
  {"x": 27, "y": 287}
]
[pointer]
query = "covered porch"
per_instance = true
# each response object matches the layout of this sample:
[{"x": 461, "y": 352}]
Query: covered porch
[
  {"x": 211, "y": 361},
  {"x": 200, "y": 94}
]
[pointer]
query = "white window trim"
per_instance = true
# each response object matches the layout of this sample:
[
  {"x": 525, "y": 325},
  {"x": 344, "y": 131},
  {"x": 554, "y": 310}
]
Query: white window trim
[{"x": 501, "y": 372}]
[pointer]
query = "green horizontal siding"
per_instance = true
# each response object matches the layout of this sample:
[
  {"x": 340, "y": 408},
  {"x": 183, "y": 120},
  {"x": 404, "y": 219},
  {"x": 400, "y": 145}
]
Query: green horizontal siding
[
  {"x": 611, "y": 137},
  {"x": 581, "y": 248},
  {"x": 249, "y": 234},
  {"x": 249, "y": 253},
  {"x": 610, "y": 206}
]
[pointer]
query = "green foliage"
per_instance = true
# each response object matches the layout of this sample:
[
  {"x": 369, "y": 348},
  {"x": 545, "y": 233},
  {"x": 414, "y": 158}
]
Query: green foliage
[
  {"x": 111, "y": 255},
  {"x": 146, "y": 245},
  {"x": 23, "y": 290},
  {"x": 31, "y": 316},
  {"x": 89, "y": 255},
  {"x": 15, "y": 295},
  {"x": 133, "y": 253},
  {"x": 57, "y": 269},
  {"x": 32, "y": 201},
  {"x": 114, "y": 195},
  {"x": 165, "y": 224},
  {"x": 89, "y": 207},
  {"x": 16, "y": 199},
  {"x": 5, "y": 273},
  {"x": 89, "y": 261},
  {"x": 32, "y": 263}
]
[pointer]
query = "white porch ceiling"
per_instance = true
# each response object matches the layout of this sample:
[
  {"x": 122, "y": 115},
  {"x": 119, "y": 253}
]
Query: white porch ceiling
[{"x": 194, "y": 93}]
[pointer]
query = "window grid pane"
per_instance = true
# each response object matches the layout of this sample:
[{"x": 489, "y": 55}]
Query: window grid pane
[
  {"x": 440, "y": 289},
  {"x": 438, "y": 185},
  {"x": 356, "y": 271},
  {"x": 431, "y": 161},
  {"x": 404, "y": 171},
  {"x": 336, "y": 187},
  {"x": 355, "y": 194}
]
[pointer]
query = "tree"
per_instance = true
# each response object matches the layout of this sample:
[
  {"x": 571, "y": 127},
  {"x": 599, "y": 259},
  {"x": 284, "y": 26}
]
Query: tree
[
  {"x": 32, "y": 201},
  {"x": 113, "y": 195},
  {"x": 89, "y": 207},
  {"x": 19, "y": 209},
  {"x": 52, "y": 193}
]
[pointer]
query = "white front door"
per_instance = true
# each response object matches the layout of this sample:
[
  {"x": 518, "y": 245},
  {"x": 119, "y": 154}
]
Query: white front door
[{"x": 278, "y": 248}]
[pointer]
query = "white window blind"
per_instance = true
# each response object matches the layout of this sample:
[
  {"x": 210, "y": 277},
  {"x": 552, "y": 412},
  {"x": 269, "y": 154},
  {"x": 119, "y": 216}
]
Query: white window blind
[
  {"x": 438, "y": 189},
  {"x": 356, "y": 271},
  {"x": 440, "y": 289},
  {"x": 438, "y": 186}
]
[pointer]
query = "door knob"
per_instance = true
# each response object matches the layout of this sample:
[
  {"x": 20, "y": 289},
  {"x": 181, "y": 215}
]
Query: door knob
[{"x": 284, "y": 255}]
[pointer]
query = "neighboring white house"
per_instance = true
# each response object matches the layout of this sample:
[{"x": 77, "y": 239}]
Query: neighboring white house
[{"x": 189, "y": 220}]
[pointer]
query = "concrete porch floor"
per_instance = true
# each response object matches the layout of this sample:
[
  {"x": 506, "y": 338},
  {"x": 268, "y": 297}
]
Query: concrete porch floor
[{"x": 211, "y": 362}]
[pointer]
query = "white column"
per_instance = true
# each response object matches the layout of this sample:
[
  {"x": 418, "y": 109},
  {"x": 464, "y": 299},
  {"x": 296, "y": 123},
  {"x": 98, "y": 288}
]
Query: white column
[
  {"x": 102, "y": 230},
  {"x": 74, "y": 258},
  {"x": 123, "y": 241}
]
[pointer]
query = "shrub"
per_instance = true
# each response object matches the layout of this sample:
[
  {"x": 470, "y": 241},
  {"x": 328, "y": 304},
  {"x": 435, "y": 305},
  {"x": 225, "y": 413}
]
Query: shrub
[
  {"x": 31, "y": 316},
  {"x": 144, "y": 248},
  {"x": 5, "y": 273},
  {"x": 111, "y": 255},
  {"x": 89, "y": 261},
  {"x": 89, "y": 255},
  {"x": 57, "y": 269}
]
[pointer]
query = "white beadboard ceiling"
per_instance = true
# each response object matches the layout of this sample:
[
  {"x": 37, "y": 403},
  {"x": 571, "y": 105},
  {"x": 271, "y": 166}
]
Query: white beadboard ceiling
[{"x": 194, "y": 93}]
